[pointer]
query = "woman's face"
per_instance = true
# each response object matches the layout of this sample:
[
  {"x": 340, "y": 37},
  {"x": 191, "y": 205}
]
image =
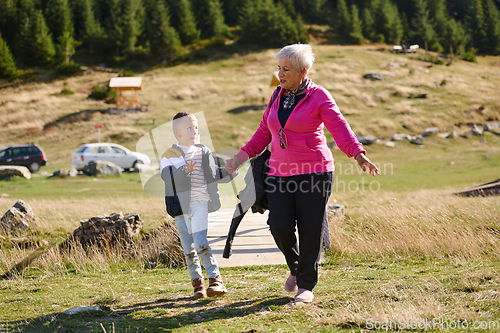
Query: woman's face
[{"x": 290, "y": 77}]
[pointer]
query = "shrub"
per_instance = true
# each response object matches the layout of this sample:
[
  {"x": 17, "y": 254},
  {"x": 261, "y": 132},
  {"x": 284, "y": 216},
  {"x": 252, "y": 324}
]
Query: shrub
[
  {"x": 126, "y": 73},
  {"x": 68, "y": 69},
  {"x": 101, "y": 93},
  {"x": 470, "y": 55}
]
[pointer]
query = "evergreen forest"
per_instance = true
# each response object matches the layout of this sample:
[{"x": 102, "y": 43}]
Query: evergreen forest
[{"x": 41, "y": 33}]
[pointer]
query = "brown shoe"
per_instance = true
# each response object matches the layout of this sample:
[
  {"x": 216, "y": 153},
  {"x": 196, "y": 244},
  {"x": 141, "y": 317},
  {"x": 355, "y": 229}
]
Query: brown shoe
[
  {"x": 199, "y": 288},
  {"x": 216, "y": 287}
]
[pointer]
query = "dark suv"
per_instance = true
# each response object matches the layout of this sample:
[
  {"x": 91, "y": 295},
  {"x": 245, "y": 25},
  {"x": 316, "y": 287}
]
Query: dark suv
[{"x": 28, "y": 155}]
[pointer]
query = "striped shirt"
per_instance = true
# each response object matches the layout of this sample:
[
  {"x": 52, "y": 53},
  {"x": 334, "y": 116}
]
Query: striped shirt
[{"x": 198, "y": 182}]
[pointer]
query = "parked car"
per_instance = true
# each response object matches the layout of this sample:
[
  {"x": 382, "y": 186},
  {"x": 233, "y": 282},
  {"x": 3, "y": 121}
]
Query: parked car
[
  {"x": 110, "y": 152},
  {"x": 29, "y": 155}
]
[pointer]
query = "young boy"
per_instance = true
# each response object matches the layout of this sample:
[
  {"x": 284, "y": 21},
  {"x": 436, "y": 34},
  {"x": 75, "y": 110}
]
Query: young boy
[{"x": 190, "y": 175}]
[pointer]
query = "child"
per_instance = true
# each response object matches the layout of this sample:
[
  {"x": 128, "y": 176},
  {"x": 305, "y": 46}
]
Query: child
[{"x": 190, "y": 175}]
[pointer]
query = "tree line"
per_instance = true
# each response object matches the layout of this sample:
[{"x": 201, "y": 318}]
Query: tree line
[{"x": 49, "y": 32}]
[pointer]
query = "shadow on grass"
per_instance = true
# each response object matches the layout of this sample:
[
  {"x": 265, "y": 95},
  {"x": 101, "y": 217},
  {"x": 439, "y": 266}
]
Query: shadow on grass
[
  {"x": 247, "y": 108},
  {"x": 151, "y": 316}
]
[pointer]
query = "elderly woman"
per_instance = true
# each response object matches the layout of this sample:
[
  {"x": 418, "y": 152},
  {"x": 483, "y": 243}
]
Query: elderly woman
[{"x": 301, "y": 164}]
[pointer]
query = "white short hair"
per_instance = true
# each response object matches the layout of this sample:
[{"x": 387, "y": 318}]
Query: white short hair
[{"x": 301, "y": 56}]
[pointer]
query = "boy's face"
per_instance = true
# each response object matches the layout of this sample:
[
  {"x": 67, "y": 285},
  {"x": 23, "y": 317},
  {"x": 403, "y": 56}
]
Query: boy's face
[{"x": 186, "y": 130}]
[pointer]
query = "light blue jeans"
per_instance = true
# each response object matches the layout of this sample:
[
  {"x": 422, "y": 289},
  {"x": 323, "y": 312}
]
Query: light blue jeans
[{"x": 192, "y": 229}]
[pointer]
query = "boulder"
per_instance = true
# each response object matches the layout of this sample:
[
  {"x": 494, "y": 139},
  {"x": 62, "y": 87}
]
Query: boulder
[
  {"x": 336, "y": 210},
  {"x": 110, "y": 229},
  {"x": 101, "y": 168},
  {"x": 476, "y": 130},
  {"x": 373, "y": 77},
  {"x": 418, "y": 140},
  {"x": 430, "y": 131},
  {"x": 401, "y": 137},
  {"x": 452, "y": 135},
  {"x": 82, "y": 309},
  {"x": 63, "y": 173},
  {"x": 11, "y": 171},
  {"x": 390, "y": 144},
  {"x": 367, "y": 139},
  {"x": 491, "y": 126},
  {"x": 18, "y": 218}
]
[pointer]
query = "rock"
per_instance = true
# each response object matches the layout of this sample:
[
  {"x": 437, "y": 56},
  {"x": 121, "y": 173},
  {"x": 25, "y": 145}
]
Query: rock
[
  {"x": 373, "y": 77},
  {"x": 452, "y": 135},
  {"x": 430, "y": 131},
  {"x": 82, "y": 309},
  {"x": 418, "y": 96},
  {"x": 476, "y": 130},
  {"x": 63, "y": 173},
  {"x": 98, "y": 168},
  {"x": 19, "y": 217},
  {"x": 11, "y": 171},
  {"x": 401, "y": 137},
  {"x": 337, "y": 210},
  {"x": 367, "y": 139},
  {"x": 491, "y": 126},
  {"x": 390, "y": 144},
  {"x": 109, "y": 229},
  {"x": 418, "y": 140}
]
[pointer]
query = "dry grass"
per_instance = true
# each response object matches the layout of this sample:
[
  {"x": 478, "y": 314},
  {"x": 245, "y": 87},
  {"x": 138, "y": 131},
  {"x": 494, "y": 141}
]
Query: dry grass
[{"x": 427, "y": 223}]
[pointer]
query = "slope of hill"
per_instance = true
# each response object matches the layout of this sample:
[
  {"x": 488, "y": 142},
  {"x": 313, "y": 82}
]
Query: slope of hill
[{"x": 233, "y": 91}]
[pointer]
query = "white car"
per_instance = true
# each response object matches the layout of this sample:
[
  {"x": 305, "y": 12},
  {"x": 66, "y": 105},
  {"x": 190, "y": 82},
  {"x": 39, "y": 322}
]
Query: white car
[{"x": 110, "y": 152}]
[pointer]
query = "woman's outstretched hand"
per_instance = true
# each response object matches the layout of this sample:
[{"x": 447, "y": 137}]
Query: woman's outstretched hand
[
  {"x": 364, "y": 162},
  {"x": 232, "y": 164}
]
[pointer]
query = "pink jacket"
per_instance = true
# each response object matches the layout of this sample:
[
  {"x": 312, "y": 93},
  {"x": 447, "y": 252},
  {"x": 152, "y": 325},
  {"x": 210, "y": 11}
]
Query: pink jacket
[{"x": 307, "y": 151}]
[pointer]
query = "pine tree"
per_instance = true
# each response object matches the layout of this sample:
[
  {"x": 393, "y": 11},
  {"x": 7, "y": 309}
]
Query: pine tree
[
  {"x": 232, "y": 10},
  {"x": 25, "y": 10},
  {"x": 91, "y": 29},
  {"x": 290, "y": 8},
  {"x": 216, "y": 19},
  {"x": 475, "y": 24},
  {"x": 41, "y": 49},
  {"x": 355, "y": 30},
  {"x": 440, "y": 18},
  {"x": 182, "y": 19},
  {"x": 456, "y": 36},
  {"x": 8, "y": 20},
  {"x": 65, "y": 47},
  {"x": 209, "y": 18},
  {"x": 492, "y": 27},
  {"x": 314, "y": 11},
  {"x": 301, "y": 30},
  {"x": 163, "y": 39},
  {"x": 342, "y": 20},
  {"x": 58, "y": 18},
  {"x": 264, "y": 23},
  {"x": 368, "y": 22},
  {"x": 394, "y": 26},
  {"x": 7, "y": 65},
  {"x": 122, "y": 26},
  {"x": 188, "y": 32},
  {"x": 423, "y": 31}
]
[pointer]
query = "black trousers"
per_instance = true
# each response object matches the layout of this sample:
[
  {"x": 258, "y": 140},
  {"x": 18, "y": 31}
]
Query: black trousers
[{"x": 299, "y": 201}]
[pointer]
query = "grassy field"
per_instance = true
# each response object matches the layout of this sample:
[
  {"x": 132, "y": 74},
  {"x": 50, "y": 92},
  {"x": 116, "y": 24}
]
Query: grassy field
[{"x": 408, "y": 252}]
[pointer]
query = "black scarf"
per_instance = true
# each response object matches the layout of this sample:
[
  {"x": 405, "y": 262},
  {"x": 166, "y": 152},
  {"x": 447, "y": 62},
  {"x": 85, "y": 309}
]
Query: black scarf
[{"x": 290, "y": 99}]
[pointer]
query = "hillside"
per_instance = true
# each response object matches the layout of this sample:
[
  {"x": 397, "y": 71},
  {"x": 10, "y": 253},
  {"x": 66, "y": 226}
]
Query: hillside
[{"x": 232, "y": 90}]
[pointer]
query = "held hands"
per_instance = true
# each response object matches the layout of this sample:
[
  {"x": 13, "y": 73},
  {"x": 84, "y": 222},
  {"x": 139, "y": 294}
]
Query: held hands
[
  {"x": 190, "y": 167},
  {"x": 364, "y": 162},
  {"x": 232, "y": 164}
]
